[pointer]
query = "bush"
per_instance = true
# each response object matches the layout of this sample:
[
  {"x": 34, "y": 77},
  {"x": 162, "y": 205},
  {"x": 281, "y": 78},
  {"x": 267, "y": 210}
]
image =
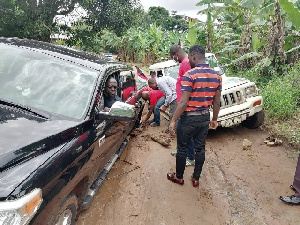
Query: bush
[{"x": 282, "y": 94}]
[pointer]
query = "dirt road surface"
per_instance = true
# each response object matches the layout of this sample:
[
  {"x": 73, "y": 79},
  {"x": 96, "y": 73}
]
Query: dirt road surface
[{"x": 237, "y": 186}]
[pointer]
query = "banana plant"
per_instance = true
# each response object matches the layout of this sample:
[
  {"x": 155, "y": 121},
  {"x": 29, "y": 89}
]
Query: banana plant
[
  {"x": 192, "y": 34},
  {"x": 156, "y": 33}
]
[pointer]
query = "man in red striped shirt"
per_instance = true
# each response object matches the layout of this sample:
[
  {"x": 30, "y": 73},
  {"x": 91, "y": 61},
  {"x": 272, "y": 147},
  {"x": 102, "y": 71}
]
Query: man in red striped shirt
[{"x": 201, "y": 88}]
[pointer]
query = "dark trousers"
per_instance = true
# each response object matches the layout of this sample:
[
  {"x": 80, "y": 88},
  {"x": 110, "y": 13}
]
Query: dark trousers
[
  {"x": 189, "y": 127},
  {"x": 190, "y": 150}
]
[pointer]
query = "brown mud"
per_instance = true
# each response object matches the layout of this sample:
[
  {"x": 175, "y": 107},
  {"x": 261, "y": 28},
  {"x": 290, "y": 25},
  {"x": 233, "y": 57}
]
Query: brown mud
[{"x": 237, "y": 186}]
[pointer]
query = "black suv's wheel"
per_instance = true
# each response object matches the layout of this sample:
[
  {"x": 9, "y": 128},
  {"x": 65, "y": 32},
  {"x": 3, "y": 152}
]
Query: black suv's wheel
[
  {"x": 254, "y": 121},
  {"x": 68, "y": 211}
]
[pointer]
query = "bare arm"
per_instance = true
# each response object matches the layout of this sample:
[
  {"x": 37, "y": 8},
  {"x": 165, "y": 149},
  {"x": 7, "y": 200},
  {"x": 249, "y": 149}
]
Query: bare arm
[
  {"x": 146, "y": 118},
  {"x": 216, "y": 109}
]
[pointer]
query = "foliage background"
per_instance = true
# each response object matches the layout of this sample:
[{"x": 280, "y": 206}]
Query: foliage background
[{"x": 256, "y": 39}]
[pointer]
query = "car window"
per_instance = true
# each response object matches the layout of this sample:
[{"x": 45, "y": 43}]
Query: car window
[
  {"x": 152, "y": 74},
  {"x": 128, "y": 84},
  {"x": 43, "y": 82},
  {"x": 172, "y": 71}
]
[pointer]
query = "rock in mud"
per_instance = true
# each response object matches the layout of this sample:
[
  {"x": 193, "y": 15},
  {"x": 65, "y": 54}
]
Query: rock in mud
[{"x": 247, "y": 144}]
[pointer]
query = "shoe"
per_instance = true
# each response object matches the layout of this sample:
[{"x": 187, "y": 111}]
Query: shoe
[
  {"x": 190, "y": 162},
  {"x": 173, "y": 154},
  {"x": 172, "y": 177},
  {"x": 154, "y": 124},
  {"x": 293, "y": 200},
  {"x": 195, "y": 182},
  {"x": 151, "y": 121},
  {"x": 292, "y": 187}
]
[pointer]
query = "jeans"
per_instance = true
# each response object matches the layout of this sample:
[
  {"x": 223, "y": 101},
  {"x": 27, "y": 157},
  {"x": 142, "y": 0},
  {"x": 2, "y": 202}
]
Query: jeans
[
  {"x": 156, "y": 111},
  {"x": 173, "y": 106},
  {"x": 190, "y": 150},
  {"x": 191, "y": 127}
]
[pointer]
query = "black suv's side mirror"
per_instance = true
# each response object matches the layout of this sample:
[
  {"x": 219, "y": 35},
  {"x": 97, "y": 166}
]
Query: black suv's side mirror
[{"x": 119, "y": 111}]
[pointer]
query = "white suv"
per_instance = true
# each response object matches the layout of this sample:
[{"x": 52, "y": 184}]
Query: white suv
[{"x": 241, "y": 102}]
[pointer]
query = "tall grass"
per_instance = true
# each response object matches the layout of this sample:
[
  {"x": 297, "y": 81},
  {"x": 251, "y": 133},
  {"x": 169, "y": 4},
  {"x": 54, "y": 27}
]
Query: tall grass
[{"x": 282, "y": 94}]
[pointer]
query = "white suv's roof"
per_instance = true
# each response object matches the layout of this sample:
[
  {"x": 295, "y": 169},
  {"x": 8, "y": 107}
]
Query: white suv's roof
[
  {"x": 169, "y": 63},
  {"x": 162, "y": 65}
]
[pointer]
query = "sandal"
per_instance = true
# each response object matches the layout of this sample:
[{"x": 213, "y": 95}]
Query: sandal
[{"x": 292, "y": 200}]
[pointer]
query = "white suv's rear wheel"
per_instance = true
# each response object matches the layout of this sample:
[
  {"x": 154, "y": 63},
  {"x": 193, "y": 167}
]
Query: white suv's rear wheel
[{"x": 254, "y": 121}]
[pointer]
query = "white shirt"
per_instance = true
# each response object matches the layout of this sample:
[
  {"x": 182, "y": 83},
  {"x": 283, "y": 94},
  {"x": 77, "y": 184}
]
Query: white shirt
[{"x": 167, "y": 85}]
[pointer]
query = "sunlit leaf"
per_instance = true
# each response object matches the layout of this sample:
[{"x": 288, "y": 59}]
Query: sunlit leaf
[
  {"x": 293, "y": 49},
  {"x": 251, "y": 4},
  {"x": 293, "y": 13},
  {"x": 255, "y": 42},
  {"x": 192, "y": 34},
  {"x": 246, "y": 56}
]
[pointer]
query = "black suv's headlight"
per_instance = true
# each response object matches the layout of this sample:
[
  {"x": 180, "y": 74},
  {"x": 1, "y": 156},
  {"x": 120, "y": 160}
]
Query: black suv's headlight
[{"x": 21, "y": 210}]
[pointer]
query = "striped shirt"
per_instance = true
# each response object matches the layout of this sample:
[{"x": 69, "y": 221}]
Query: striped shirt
[{"x": 203, "y": 82}]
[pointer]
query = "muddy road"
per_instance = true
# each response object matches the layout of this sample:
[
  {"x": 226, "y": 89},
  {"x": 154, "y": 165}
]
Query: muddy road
[{"x": 237, "y": 186}]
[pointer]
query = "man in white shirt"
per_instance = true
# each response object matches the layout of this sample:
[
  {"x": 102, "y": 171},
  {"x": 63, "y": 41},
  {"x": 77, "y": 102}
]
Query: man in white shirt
[{"x": 167, "y": 85}]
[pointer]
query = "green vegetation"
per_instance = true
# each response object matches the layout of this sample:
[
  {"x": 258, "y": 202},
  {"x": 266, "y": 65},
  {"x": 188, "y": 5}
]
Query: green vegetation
[
  {"x": 281, "y": 100},
  {"x": 281, "y": 93},
  {"x": 34, "y": 19},
  {"x": 257, "y": 39}
]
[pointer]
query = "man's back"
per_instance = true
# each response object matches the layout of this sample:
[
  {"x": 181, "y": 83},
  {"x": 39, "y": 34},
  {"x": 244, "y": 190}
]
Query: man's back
[
  {"x": 167, "y": 85},
  {"x": 202, "y": 82},
  {"x": 166, "y": 82},
  {"x": 155, "y": 95}
]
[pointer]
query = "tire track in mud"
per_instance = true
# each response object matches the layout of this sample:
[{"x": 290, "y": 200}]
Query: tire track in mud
[{"x": 242, "y": 208}]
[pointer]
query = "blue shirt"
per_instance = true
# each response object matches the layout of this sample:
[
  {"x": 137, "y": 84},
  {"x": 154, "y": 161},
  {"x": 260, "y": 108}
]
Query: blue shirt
[{"x": 108, "y": 102}]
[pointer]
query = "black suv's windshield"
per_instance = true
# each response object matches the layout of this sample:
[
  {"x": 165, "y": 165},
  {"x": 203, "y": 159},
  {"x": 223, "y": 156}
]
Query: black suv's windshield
[{"x": 43, "y": 82}]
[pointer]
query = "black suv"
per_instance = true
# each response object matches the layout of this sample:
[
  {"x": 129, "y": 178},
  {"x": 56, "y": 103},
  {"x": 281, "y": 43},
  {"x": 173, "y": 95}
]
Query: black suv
[{"x": 56, "y": 142}]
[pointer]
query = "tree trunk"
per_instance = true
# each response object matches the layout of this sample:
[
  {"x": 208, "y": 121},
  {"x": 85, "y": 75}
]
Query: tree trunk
[
  {"x": 275, "y": 40},
  {"x": 245, "y": 41},
  {"x": 209, "y": 38}
]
